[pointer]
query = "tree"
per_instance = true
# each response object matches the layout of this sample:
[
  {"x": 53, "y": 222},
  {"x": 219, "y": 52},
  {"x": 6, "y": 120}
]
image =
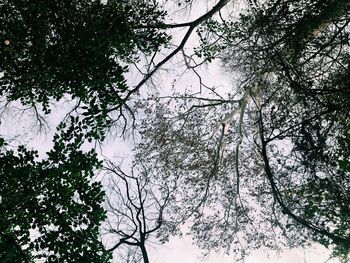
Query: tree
[
  {"x": 273, "y": 151},
  {"x": 75, "y": 49},
  {"x": 300, "y": 61},
  {"x": 51, "y": 209},
  {"x": 137, "y": 210},
  {"x": 285, "y": 124},
  {"x": 65, "y": 49}
]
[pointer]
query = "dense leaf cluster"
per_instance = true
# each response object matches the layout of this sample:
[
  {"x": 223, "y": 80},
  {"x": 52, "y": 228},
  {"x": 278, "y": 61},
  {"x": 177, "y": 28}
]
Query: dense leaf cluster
[
  {"x": 51, "y": 209},
  {"x": 55, "y": 48}
]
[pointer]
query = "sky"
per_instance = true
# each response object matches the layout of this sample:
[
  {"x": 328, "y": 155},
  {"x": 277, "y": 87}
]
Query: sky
[{"x": 182, "y": 250}]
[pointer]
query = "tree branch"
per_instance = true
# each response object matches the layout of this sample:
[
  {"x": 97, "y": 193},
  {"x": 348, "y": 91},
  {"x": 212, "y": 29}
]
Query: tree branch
[
  {"x": 279, "y": 198},
  {"x": 192, "y": 25}
]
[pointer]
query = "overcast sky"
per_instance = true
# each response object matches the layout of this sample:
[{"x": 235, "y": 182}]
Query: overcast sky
[{"x": 182, "y": 250}]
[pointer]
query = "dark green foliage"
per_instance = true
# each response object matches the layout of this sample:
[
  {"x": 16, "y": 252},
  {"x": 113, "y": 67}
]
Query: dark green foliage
[
  {"x": 79, "y": 48},
  {"x": 51, "y": 209}
]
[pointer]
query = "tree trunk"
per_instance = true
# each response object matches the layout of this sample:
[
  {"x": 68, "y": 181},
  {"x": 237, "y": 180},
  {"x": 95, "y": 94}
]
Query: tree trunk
[{"x": 144, "y": 254}]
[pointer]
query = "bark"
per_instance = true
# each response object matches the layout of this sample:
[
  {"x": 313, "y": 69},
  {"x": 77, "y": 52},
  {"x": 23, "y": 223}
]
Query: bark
[{"x": 144, "y": 253}]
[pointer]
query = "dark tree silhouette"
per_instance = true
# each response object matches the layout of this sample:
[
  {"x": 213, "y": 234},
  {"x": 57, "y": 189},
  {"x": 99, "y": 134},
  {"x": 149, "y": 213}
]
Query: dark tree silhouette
[
  {"x": 50, "y": 210},
  {"x": 136, "y": 209}
]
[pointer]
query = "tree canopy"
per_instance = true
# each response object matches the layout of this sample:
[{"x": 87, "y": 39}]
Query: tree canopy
[
  {"x": 50, "y": 209},
  {"x": 52, "y": 49},
  {"x": 271, "y": 150},
  {"x": 278, "y": 138}
]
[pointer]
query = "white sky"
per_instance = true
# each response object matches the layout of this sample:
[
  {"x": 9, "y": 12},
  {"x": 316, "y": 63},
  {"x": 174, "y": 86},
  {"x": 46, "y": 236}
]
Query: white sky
[{"x": 182, "y": 250}]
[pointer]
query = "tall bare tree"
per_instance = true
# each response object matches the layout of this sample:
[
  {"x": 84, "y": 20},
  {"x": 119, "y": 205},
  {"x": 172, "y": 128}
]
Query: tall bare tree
[{"x": 136, "y": 210}]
